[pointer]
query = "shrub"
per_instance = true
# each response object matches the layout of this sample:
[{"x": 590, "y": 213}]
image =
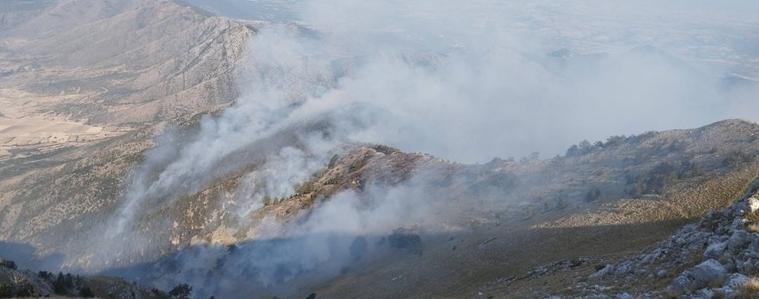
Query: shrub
[
  {"x": 86, "y": 292},
  {"x": 749, "y": 290},
  {"x": 45, "y": 275},
  {"x": 593, "y": 194},
  {"x": 59, "y": 285},
  {"x": 615, "y": 140},
  {"x": 406, "y": 241},
  {"x": 25, "y": 290},
  {"x": 735, "y": 158},
  {"x": 583, "y": 148},
  {"x": 181, "y": 291},
  {"x": 68, "y": 281},
  {"x": 6, "y": 291},
  {"x": 8, "y": 264}
]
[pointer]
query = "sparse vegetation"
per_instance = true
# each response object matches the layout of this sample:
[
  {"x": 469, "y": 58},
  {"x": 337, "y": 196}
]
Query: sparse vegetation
[
  {"x": 593, "y": 194},
  {"x": 86, "y": 292},
  {"x": 6, "y": 291},
  {"x": 181, "y": 291},
  {"x": 25, "y": 290},
  {"x": 664, "y": 174},
  {"x": 615, "y": 140},
  {"x": 59, "y": 285},
  {"x": 750, "y": 290},
  {"x": 180, "y": 66},
  {"x": 583, "y": 148},
  {"x": 8, "y": 264},
  {"x": 405, "y": 240},
  {"x": 734, "y": 158}
]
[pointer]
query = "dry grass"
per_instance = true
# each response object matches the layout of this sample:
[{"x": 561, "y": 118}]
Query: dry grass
[
  {"x": 750, "y": 290},
  {"x": 753, "y": 222}
]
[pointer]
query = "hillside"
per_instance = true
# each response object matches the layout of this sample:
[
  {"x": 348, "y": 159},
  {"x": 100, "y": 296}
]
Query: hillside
[
  {"x": 84, "y": 86},
  {"x": 25, "y": 283},
  {"x": 82, "y": 71},
  {"x": 133, "y": 154},
  {"x": 564, "y": 222},
  {"x": 481, "y": 226}
]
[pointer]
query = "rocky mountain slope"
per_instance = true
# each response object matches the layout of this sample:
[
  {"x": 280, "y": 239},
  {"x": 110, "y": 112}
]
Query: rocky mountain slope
[
  {"x": 502, "y": 219},
  {"x": 25, "y": 283},
  {"x": 501, "y": 254},
  {"x": 645, "y": 173},
  {"x": 86, "y": 85},
  {"x": 145, "y": 61},
  {"x": 715, "y": 257},
  {"x": 73, "y": 72}
]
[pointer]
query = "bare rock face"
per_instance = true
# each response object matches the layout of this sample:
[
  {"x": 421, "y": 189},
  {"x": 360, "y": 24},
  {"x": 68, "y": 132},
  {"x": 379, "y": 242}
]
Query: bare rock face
[
  {"x": 124, "y": 63},
  {"x": 710, "y": 273},
  {"x": 84, "y": 86},
  {"x": 714, "y": 257}
]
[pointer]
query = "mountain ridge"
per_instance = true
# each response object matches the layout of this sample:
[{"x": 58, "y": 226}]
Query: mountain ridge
[{"x": 96, "y": 92}]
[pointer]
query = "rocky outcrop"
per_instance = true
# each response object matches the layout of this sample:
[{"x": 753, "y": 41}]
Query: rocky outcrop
[{"x": 715, "y": 257}]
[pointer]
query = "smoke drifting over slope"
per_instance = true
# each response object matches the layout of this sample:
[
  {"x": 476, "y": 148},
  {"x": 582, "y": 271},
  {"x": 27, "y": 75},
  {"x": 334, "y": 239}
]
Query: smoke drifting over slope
[
  {"x": 466, "y": 81},
  {"x": 480, "y": 79},
  {"x": 475, "y": 80}
]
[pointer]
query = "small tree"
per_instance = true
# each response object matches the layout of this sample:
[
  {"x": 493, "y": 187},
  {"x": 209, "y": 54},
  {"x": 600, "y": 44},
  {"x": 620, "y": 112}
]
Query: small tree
[
  {"x": 86, "y": 292},
  {"x": 181, "y": 291},
  {"x": 574, "y": 150},
  {"x": 8, "y": 264},
  {"x": 45, "y": 275},
  {"x": 59, "y": 285},
  {"x": 24, "y": 290},
  {"x": 6, "y": 291},
  {"x": 68, "y": 281},
  {"x": 593, "y": 194}
]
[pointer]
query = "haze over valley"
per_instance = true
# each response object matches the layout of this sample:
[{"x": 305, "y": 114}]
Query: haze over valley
[{"x": 380, "y": 149}]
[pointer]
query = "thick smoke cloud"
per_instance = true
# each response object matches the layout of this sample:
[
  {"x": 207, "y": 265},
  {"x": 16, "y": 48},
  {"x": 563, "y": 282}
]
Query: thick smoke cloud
[
  {"x": 463, "y": 80},
  {"x": 346, "y": 231},
  {"x": 504, "y": 78},
  {"x": 267, "y": 128}
]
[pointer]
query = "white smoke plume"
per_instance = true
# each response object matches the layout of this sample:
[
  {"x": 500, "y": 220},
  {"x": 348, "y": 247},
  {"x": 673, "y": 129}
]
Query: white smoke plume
[{"x": 463, "y": 80}]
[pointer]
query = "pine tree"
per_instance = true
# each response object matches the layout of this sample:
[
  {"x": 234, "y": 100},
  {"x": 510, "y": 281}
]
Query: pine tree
[{"x": 59, "y": 285}]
